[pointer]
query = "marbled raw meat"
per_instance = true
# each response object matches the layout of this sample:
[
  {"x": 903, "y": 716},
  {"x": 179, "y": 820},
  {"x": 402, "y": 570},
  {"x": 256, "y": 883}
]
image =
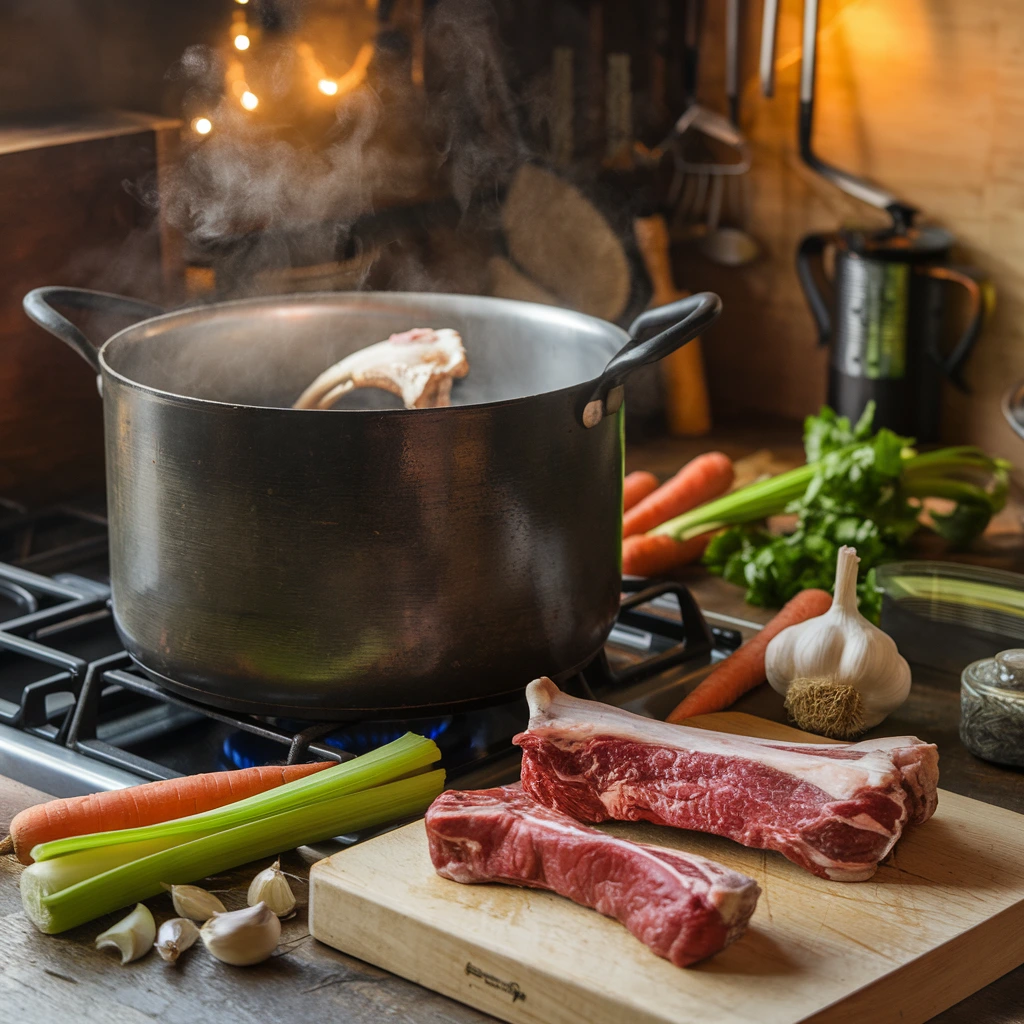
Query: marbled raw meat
[
  {"x": 834, "y": 810},
  {"x": 684, "y": 907}
]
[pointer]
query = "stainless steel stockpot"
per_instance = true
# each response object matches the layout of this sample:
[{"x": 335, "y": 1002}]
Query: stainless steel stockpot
[{"x": 318, "y": 563}]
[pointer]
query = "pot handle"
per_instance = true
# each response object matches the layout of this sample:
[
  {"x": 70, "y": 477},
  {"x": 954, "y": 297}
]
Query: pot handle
[
  {"x": 39, "y": 303},
  {"x": 683, "y": 321}
]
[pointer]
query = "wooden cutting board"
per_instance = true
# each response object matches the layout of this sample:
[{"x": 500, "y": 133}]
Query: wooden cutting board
[{"x": 942, "y": 918}]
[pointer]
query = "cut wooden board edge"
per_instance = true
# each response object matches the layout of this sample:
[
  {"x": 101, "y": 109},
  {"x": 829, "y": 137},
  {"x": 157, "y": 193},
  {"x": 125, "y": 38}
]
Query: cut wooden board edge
[
  {"x": 936, "y": 981},
  {"x": 492, "y": 981}
]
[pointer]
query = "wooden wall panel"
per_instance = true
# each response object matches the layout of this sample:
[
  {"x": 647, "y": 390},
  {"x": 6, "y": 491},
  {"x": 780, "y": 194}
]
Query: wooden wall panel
[
  {"x": 67, "y": 218},
  {"x": 924, "y": 96}
]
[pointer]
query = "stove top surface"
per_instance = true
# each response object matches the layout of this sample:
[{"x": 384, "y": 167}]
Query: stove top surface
[{"x": 76, "y": 714}]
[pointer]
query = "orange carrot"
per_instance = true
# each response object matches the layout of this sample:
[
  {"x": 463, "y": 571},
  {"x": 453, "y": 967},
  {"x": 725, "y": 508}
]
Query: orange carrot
[
  {"x": 744, "y": 669},
  {"x": 700, "y": 480},
  {"x": 652, "y": 555},
  {"x": 636, "y": 487},
  {"x": 147, "y": 804}
]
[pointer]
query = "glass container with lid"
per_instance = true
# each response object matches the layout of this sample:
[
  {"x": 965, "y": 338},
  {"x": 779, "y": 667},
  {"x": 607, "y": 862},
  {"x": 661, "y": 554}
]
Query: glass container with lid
[{"x": 992, "y": 708}]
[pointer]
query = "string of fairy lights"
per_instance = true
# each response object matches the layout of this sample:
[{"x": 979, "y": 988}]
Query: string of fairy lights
[{"x": 243, "y": 37}]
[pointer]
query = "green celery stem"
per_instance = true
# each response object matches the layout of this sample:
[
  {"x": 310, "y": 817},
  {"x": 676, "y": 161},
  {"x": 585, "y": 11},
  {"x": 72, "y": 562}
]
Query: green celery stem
[
  {"x": 400, "y": 757},
  {"x": 747, "y": 505},
  {"x": 922, "y": 476},
  {"x": 221, "y": 851}
]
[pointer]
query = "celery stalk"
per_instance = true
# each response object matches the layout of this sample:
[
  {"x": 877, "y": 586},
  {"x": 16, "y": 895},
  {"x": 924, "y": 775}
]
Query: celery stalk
[
  {"x": 923, "y": 476},
  {"x": 747, "y": 505},
  {"x": 54, "y": 912},
  {"x": 407, "y": 754},
  {"x": 62, "y": 872}
]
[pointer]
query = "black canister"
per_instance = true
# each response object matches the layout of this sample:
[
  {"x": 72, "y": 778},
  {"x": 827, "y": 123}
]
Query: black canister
[{"x": 883, "y": 311}]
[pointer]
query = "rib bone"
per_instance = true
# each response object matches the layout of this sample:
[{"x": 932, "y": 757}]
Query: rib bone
[{"x": 418, "y": 366}]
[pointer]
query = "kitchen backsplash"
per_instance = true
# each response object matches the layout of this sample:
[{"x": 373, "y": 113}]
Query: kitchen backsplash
[{"x": 921, "y": 96}]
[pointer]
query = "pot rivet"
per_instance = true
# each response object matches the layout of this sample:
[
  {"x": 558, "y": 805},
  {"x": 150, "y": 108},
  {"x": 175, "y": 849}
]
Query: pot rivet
[
  {"x": 613, "y": 402},
  {"x": 593, "y": 413}
]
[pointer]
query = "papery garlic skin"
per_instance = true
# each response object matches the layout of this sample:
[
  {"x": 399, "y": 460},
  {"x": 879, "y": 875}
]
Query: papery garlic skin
[
  {"x": 271, "y": 887},
  {"x": 841, "y": 648},
  {"x": 132, "y": 936},
  {"x": 174, "y": 937},
  {"x": 242, "y": 937},
  {"x": 194, "y": 902}
]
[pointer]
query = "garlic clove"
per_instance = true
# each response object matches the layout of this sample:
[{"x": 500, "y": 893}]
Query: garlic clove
[
  {"x": 242, "y": 937},
  {"x": 133, "y": 936},
  {"x": 174, "y": 937},
  {"x": 271, "y": 887},
  {"x": 193, "y": 902}
]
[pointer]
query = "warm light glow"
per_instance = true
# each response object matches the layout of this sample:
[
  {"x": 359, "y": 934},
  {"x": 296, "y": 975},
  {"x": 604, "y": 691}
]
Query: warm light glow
[
  {"x": 241, "y": 41},
  {"x": 202, "y": 125},
  {"x": 249, "y": 100},
  {"x": 243, "y": 2},
  {"x": 327, "y": 86}
]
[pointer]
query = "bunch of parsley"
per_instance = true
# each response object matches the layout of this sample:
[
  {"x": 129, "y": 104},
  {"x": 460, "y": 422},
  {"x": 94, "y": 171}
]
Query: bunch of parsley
[{"x": 859, "y": 487}]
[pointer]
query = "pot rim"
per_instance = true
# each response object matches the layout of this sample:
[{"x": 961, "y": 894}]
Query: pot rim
[{"x": 616, "y": 335}]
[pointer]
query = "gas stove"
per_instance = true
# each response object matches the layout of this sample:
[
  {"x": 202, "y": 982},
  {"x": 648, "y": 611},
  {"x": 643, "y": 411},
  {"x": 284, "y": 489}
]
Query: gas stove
[{"x": 77, "y": 715}]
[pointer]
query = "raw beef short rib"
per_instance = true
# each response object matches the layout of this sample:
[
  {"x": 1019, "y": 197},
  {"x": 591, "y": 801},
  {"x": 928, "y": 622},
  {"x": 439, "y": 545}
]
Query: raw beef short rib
[
  {"x": 683, "y": 907},
  {"x": 834, "y": 810}
]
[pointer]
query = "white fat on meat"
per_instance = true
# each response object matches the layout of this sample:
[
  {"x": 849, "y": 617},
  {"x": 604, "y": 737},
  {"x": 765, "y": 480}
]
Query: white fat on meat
[
  {"x": 418, "y": 366},
  {"x": 552, "y": 711}
]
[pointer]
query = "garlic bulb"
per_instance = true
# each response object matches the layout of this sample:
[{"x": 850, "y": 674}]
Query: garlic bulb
[
  {"x": 242, "y": 937},
  {"x": 193, "y": 902},
  {"x": 174, "y": 937},
  {"x": 839, "y": 674},
  {"x": 271, "y": 887},
  {"x": 132, "y": 936}
]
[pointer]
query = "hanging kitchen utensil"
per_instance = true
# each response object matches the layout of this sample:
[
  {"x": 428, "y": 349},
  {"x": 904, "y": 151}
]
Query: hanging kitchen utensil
[
  {"x": 730, "y": 246},
  {"x": 901, "y": 213},
  {"x": 691, "y": 49},
  {"x": 769, "y": 30},
  {"x": 883, "y": 310},
  {"x": 1013, "y": 408},
  {"x": 727, "y": 245},
  {"x": 687, "y": 193},
  {"x": 691, "y": 188},
  {"x": 687, "y": 407},
  {"x": 732, "y": 59}
]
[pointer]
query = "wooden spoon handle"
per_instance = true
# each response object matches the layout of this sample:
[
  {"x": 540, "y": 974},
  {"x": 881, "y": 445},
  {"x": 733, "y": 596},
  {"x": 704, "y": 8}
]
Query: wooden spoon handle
[{"x": 687, "y": 407}]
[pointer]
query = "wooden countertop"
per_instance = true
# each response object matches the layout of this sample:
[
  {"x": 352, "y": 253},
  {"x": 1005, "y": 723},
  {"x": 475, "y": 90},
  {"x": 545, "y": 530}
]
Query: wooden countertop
[{"x": 48, "y": 976}]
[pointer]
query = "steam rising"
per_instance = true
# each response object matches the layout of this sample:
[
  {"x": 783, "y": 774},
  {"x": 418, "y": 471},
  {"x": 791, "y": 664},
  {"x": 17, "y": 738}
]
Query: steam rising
[
  {"x": 257, "y": 184},
  {"x": 241, "y": 179}
]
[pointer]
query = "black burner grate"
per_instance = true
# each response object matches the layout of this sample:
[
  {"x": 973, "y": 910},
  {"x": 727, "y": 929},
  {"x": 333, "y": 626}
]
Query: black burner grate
[
  {"x": 112, "y": 677},
  {"x": 55, "y": 539}
]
